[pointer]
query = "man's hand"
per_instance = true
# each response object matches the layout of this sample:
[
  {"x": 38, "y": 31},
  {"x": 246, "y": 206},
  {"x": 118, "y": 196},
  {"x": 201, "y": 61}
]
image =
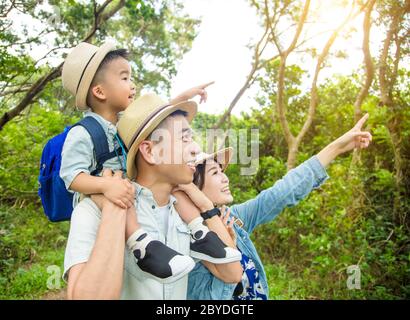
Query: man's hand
[
  {"x": 190, "y": 93},
  {"x": 352, "y": 139},
  {"x": 197, "y": 196},
  {"x": 118, "y": 190}
]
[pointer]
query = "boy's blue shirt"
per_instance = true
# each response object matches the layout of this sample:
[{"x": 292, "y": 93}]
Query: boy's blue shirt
[{"x": 78, "y": 152}]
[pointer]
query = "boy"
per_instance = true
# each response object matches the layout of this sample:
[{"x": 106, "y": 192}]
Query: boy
[{"x": 100, "y": 80}]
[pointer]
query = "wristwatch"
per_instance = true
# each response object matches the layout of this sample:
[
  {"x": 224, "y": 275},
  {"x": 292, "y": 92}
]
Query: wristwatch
[{"x": 210, "y": 213}]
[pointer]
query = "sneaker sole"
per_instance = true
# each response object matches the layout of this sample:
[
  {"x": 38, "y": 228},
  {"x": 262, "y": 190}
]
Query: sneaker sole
[
  {"x": 170, "y": 279},
  {"x": 202, "y": 256}
]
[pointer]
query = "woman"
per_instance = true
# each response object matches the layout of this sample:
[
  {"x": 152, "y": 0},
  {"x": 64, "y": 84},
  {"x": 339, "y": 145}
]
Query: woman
[{"x": 211, "y": 188}]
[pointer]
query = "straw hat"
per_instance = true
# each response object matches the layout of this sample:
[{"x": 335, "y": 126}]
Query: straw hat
[
  {"x": 140, "y": 119},
  {"x": 223, "y": 157},
  {"x": 80, "y": 67}
]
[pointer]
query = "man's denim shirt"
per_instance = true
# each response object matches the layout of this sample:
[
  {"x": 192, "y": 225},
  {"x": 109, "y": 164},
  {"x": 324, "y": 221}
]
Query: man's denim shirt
[{"x": 286, "y": 192}]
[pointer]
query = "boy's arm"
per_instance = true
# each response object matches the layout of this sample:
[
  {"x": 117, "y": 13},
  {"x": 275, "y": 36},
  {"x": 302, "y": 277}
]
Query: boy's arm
[
  {"x": 77, "y": 159},
  {"x": 227, "y": 272},
  {"x": 118, "y": 190},
  {"x": 190, "y": 93},
  {"x": 87, "y": 184}
]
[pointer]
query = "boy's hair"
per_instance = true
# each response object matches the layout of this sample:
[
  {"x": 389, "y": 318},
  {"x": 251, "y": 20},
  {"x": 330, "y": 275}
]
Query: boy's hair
[
  {"x": 99, "y": 74},
  {"x": 112, "y": 55}
]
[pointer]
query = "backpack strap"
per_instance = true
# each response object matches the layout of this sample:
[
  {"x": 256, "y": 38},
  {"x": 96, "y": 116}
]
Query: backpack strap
[{"x": 99, "y": 139}]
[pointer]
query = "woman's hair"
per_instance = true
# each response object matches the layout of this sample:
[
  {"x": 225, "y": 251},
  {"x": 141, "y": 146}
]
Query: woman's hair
[{"x": 199, "y": 175}]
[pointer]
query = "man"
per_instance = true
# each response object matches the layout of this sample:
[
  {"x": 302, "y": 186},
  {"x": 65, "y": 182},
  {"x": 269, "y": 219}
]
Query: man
[{"x": 97, "y": 264}]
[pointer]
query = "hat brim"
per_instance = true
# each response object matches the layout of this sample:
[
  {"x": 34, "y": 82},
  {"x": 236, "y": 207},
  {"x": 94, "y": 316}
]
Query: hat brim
[
  {"x": 188, "y": 106},
  {"x": 223, "y": 157},
  {"x": 89, "y": 73}
]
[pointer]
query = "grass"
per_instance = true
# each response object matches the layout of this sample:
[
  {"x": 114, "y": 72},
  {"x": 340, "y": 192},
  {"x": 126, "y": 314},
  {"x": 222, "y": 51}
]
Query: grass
[
  {"x": 31, "y": 253},
  {"x": 289, "y": 285},
  {"x": 32, "y": 256},
  {"x": 283, "y": 285}
]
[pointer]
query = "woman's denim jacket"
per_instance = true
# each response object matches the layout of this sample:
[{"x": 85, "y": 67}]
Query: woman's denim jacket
[{"x": 286, "y": 192}]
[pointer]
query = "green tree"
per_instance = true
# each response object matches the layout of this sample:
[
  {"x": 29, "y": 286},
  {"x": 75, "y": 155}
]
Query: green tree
[
  {"x": 33, "y": 103},
  {"x": 155, "y": 32}
]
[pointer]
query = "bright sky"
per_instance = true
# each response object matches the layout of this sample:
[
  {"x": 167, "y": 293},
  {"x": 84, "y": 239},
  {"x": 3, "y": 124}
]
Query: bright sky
[{"x": 220, "y": 50}]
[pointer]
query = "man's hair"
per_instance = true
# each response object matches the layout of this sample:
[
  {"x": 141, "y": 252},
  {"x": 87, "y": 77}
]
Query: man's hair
[
  {"x": 99, "y": 74},
  {"x": 178, "y": 113},
  {"x": 161, "y": 125}
]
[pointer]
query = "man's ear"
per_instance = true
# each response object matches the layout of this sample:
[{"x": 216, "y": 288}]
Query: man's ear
[
  {"x": 145, "y": 149},
  {"x": 98, "y": 92}
]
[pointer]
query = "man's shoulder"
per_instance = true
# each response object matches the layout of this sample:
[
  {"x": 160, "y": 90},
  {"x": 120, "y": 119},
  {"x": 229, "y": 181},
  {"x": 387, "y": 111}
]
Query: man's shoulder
[{"x": 86, "y": 209}]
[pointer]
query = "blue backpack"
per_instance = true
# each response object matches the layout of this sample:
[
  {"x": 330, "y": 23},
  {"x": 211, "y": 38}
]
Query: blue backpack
[{"x": 56, "y": 200}]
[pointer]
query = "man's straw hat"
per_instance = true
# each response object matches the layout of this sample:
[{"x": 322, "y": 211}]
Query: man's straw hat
[{"x": 140, "y": 119}]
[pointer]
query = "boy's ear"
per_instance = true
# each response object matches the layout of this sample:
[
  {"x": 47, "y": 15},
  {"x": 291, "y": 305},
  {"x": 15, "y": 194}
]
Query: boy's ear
[
  {"x": 145, "y": 149},
  {"x": 98, "y": 92}
]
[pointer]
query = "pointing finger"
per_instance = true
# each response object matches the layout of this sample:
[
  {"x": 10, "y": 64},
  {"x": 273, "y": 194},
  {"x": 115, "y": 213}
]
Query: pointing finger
[
  {"x": 205, "y": 85},
  {"x": 360, "y": 123}
]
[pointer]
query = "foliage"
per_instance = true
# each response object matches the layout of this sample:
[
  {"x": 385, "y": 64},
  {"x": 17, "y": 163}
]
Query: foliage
[
  {"x": 307, "y": 249},
  {"x": 358, "y": 217},
  {"x": 155, "y": 32},
  {"x": 29, "y": 245}
]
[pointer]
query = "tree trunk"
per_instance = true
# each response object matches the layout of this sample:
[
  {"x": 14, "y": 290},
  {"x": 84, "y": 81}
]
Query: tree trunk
[
  {"x": 294, "y": 142},
  {"x": 369, "y": 70},
  {"x": 292, "y": 154},
  {"x": 387, "y": 78}
]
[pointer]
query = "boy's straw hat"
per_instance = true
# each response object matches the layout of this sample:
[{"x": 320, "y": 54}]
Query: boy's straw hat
[{"x": 80, "y": 67}]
